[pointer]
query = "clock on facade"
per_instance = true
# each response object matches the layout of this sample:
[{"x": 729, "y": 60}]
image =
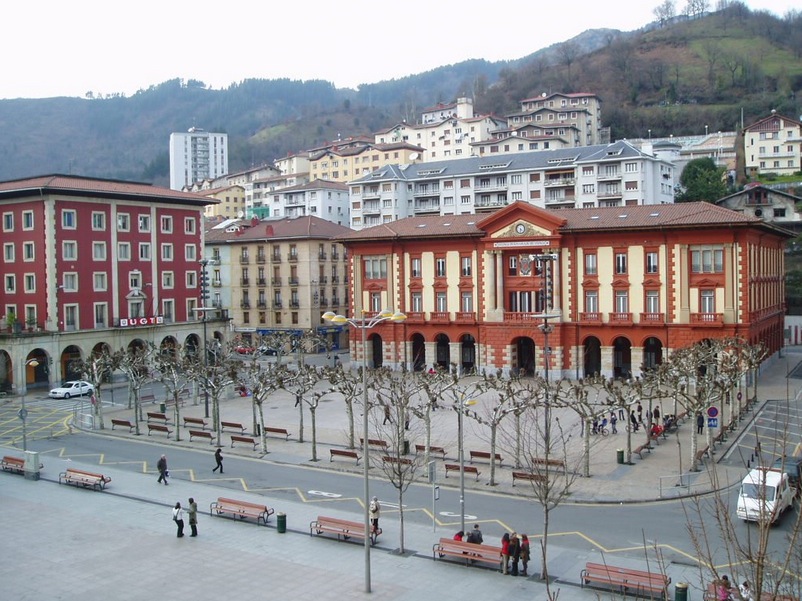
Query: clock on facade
[{"x": 520, "y": 228}]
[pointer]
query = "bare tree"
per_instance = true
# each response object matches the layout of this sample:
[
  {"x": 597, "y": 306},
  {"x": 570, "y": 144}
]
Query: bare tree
[
  {"x": 349, "y": 385},
  {"x": 214, "y": 377},
  {"x": 135, "y": 364},
  {"x": 665, "y": 11},
  {"x": 262, "y": 382},
  {"x": 173, "y": 370},
  {"x": 96, "y": 369}
]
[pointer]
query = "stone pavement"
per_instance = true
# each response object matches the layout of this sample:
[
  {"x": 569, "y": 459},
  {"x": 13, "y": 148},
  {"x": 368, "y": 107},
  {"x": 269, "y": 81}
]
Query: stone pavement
[{"x": 63, "y": 543}]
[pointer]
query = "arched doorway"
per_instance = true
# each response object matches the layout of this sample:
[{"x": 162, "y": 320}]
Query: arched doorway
[
  {"x": 443, "y": 351},
  {"x": 377, "y": 350},
  {"x": 101, "y": 348},
  {"x": 652, "y": 353},
  {"x": 467, "y": 352},
  {"x": 592, "y": 356},
  {"x": 418, "y": 352},
  {"x": 191, "y": 345},
  {"x": 622, "y": 358},
  {"x": 6, "y": 372},
  {"x": 37, "y": 369},
  {"x": 168, "y": 346},
  {"x": 524, "y": 360},
  {"x": 70, "y": 356}
]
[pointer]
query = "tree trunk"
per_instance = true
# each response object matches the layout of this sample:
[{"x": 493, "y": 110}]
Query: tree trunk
[
  {"x": 312, "y": 415},
  {"x": 299, "y": 400}
]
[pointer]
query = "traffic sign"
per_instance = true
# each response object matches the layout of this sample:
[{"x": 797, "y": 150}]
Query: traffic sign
[
  {"x": 712, "y": 412},
  {"x": 712, "y": 422},
  {"x": 22, "y": 413}
]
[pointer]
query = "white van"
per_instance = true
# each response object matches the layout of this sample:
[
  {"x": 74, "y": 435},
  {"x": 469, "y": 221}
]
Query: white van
[{"x": 764, "y": 495}]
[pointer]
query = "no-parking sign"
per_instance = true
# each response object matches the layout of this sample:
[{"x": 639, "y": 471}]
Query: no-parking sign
[{"x": 712, "y": 412}]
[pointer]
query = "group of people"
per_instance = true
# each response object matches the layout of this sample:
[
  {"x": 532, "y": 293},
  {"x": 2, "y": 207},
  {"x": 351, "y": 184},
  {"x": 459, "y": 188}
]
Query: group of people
[
  {"x": 724, "y": 590},
  {"x": 178, "y": 517},
  {"x": 514, "y": 549}
]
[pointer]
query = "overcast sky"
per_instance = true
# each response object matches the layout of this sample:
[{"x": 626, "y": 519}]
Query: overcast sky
[{"x": 57, "y": 48}]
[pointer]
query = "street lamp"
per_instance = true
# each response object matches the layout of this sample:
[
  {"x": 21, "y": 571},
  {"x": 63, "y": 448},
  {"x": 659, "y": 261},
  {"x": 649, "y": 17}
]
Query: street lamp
[
  {"x": 364, "y": 324},
  {"x": 545, "y": 263},
  {"x": 23, "y": 412},
  {"x": 204, "y": 296},
  {"x": 460, "y": 411}
]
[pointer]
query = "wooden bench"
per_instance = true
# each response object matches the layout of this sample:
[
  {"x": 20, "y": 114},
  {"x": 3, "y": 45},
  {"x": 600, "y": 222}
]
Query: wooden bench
[
  {"x": 279, "y": 431},
  {"x": 159, "y": 428},
  {"x": 556, "y": 463},
  {"x": 344, "y": 529},
  {"x": 82, "y": 478},
  {"x": 639, "y": 450},
  {"x": 626, "y": 580},
  {"x": 720, "y": 438},
  {"x": 147, "y": 398},
  {"x": 125, "y": 423},
  {"x": 201, "y": 434},
  {"x": 248, "y": 439},
  {"x": 397, "y": 460},
  {"x": 484, "y": 455},
  {"x": 700, "y": 454},
  {"x": 195, "y": 421},
  {"x": 241, "y": 509},
  {"x": 420, "y": 448},
  {"x": 343, "y": 453},
  {"x": 170, "y": 401},
  {"x": 468, "y": 469},
  {"x": 469, "y": 552},
  {"x": 531, "y": 476},
  {"x": 13, "y": 464},
  {"x": 156, "y": 416},
  {"x": 374, "y": 442},
  {"x": 233, "y": 426}
]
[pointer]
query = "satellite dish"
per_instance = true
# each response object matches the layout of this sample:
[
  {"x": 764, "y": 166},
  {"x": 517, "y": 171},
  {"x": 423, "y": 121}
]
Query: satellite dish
[
  {"x": 414, "y": 156},
  {"x": 241, "y": 214}
]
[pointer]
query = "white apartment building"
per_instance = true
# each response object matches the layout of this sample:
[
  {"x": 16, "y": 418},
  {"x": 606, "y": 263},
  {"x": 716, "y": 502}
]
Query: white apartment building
[
  {"x": 610, "y": 175},
  {"x": 773, "y": 145},
  {"x": 196, "y": 156},
  {"x": 570, "y": 119},
  {"x": 320, "y": 198},
  {"x": 446, "y": 131}
]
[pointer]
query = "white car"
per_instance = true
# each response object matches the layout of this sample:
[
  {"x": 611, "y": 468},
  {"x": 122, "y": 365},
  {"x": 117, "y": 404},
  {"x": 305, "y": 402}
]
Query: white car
[
  {"x": 765, "y": 494},
  {"x": 72, "y": 388}
]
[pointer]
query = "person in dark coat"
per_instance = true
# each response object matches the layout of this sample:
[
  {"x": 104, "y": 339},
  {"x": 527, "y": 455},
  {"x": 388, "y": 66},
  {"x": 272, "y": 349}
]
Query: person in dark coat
[
  {"x": 192, "y": 510},
  {"x": 505, "y": 552},
  {"x": 525, "y": 554},
  {"x": 700, "y": 423},
  {"x": 161, "y": 465},
  {"x": 515, "y": 553},
  {"x": 218, "y": 459}
]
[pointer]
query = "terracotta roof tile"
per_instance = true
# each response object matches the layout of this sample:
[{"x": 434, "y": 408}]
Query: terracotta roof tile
[{"x": 279, "y": 229}]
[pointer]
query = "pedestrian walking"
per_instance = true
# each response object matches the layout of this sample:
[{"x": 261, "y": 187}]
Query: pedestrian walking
[
  {"x": 634, "y": 419},
  {"x": 639, "y": 409},
  {"x": 656, "y": 413},
  {"x": 525, "y": 554},
  {"x": 505, "y": 552},
  {"x": 475, "y": 535},
  {"x": 218, "y": 459},
  {"x": 387, "y": 416},
  {"x": 515, "y": 553},
  {"x": 621, "y": 413},
  {"x": 161, "y": 465},
  {"x": 192, "y": 510},
  {"x": 178, "y": 518},
  {"x": 613, "y": 422},
  {"x": 375, "y": 512},
  {"x": 700, "y": 423}
]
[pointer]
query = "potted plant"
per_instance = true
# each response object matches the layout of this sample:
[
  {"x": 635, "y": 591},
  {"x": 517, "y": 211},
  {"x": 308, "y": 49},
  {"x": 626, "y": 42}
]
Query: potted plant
[
  {"x": 13, "y": 325},
  {"x": 31, "y": 323}
]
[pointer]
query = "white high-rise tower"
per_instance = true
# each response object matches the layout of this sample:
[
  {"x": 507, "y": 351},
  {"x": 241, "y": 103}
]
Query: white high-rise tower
[{"x": 197, "y": 155}]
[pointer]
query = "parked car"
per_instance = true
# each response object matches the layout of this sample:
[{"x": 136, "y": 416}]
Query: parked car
[
  {"x": 244, "y": 349},
  {"x": 764, "y": 495},
  {"x": 71, "y": 389},
  {"x": 792, "y": 466}
]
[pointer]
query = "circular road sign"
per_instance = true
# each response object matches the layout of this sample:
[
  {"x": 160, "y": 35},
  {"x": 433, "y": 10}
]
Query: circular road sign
[{"x": 712, "y": 412}]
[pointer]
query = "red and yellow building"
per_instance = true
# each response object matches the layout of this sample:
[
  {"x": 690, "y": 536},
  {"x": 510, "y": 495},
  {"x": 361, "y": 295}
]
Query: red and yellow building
[{"x": 617, "y": 287}]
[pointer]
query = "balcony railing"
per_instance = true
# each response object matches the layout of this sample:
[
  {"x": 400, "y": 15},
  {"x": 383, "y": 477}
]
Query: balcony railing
[
  {"x": 276, "y": 281},
  {"x": 321, "y": 256},
  {"x": 261, "y": 258},
  {"x": 335, "y": 279},
  {"x": 652, "y": 318},
  {"x": 277, "y": 304},
  {"x": 217, "y": 283},
  {"x": 620, "y": 317},
  {"x": 590, "y": 317},
  {"x": 324, "y": 279},
  {"x": 439, "y": 317},
  {"x": 245, "y": 281},
  {"x": 261, "y": 282},
  {"x": 293, "y": 281},
  {"x": 244, "y": 259},
  {"x": 295, "y": 304},
  {"x": 711, "y": 319},
  {"x": 465, "y": 317},
  {"x": 292, "y": 257},
  {"x": 246, "y": 304},
  {"x": 275, "y": 258},
  {"x": 262, "y": 304},
  {"x": 416, "y": 317}
]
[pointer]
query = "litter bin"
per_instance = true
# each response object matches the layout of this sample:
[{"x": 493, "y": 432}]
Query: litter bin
[
  {"x": 281, "y": 522},
  {"x": 619, "y": 455},
  {"x": 681, "y": 591},
  {"x": 162, "y": 408}
]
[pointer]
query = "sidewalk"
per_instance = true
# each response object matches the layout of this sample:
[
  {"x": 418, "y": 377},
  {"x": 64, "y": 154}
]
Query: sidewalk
[{"x": 70, "y": 544}]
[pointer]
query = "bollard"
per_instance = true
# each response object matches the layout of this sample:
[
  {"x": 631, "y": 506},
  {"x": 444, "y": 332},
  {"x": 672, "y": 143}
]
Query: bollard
[
  {"x": 281, "y": 522},
  {"x": 681, "y": 591}
]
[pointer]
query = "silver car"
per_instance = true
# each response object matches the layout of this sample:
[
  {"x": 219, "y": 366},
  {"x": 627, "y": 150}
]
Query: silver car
[{"x": 71, "y": 389}]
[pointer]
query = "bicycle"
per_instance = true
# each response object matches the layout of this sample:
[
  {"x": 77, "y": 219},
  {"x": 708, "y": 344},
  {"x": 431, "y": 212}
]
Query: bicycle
[{"x": 601, "y": 428}]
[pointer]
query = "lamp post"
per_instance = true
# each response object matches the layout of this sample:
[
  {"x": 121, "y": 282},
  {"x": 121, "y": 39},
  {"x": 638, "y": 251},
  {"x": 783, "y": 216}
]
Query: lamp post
[
  {"x": 545, "y": 262},
  {"x": 23, "y": 412},
  {"x": 364, "y": 324},
  {"x": 460, "y": 411}
]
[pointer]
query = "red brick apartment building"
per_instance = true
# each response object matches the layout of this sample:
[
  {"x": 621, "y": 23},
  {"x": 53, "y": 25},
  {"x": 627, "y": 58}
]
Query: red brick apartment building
[
  {"x": 617, "y": 287},
  {"x": 90, "y": 263}
]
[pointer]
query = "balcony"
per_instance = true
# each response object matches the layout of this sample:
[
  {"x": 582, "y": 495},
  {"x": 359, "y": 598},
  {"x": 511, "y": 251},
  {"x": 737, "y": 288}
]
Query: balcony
[
  {"x": 609, "y": 175},
  {"x": 707, "y": 319},
  {"x": 323, "y": 279},
  {"x": 294, "y": 304},
  {"x": 559, "y": 182},
  {"x": 274, "y": 258},
  {"x": 427, "y": 207},
  {"x": 293, "y": 281},
  {"x": 246, "y": 304},
  {"x": 416, "y": 317},
  {"x": 609, "y": 193},
  {"x": 324, "y": 302},
  {"x": 335, "y": 301},
  {"x": 292, "y": 257},
  {"x": 620, "y": 317},
  {"x": 371, "y": 208},
  {"x": 590, "y": 317},
  {"x": 261, "y": 282},
  {"x": 465, "y": 317},
  {"x": 276, "y": 281},
  {"x": 217, "y": 283},
  {"x": 277, "y": 304},
  {"x": 245, "y": 281},
  {"x": 335, "y": 256},
  {"x": 261, "y": 258},
  {"x": 652, "y": 318},
  {"x": 335, "y": 279},
  {"x": 244, "y": 259},
  {"x": 321, "y": 256},
  {"x": 262, "y": 304},
  {"x": 439, "y": 317},
  {"x": 490, "y": 204}
]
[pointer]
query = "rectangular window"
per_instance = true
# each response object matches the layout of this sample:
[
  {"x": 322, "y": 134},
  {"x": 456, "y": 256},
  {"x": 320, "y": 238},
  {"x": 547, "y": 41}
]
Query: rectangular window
[
  {"x": 144, "y": 223},
  {"x": 440, "y": 267},
  {"x": 441, "y": 302},
  {"x": 190, "y": 252},
  {"x": 466, "y": 302},
  {"x": 467, "y": 267},
  {"x": 101, "y": 315},
  {"x": 168, "y": 309},
  {"x": 30, "y": 282},
  {"x": 417, "y": 302},
  {"x": 123, "y": 222},
  {"x": 71, "y": 318},
  {"x": 189, "y": 225},
  {"x": 98, "y": 221},
  {"x": 707, "y": 260},
  {"x": 591, "y": 267},
  {"x": 512, "y": 265},
  {"x": 652, "y": 265},
  {"x": 622, "y": 301},
  {"x": 69, "y": 251},
  {"x": 707, "y": 301},
  {"x": 652, "y": 301},
  {"x": 124, "y": 251},
  {"x": 191, "y": 279},
  {"x": 591, "y": 301},
  {"x": 144, "y": 251},
  {"x": 167, "y": 279},
  {"x": 70, "y": 282},
  {"x": 416, "y": 267},
  {"x": 621, "y": 263},
  {"x": 11, "y": 283},
  {"x": 375, "y": 302},
  {"x": 375, "y": 269},
  {"x": 8, "y": 222},
  {"x": 69, "y": 220},
  {"x": 135, "y": 280},
  {"x": 98, "y": 251},
  {"x": 99, "y": 280},
  {"x": 27, "y": 220},
  {"x": 167, "y": 224},
  {"x": 167, "y": 252},
  {"x": 8, "y": 252},
  {"x": 28, "y": 251}
]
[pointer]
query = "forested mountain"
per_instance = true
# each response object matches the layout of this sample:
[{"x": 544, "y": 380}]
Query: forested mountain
[{"x": 674, "y": 79}]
